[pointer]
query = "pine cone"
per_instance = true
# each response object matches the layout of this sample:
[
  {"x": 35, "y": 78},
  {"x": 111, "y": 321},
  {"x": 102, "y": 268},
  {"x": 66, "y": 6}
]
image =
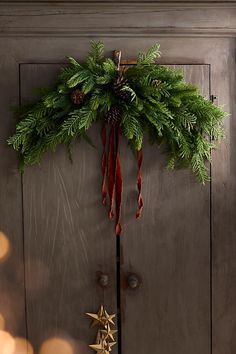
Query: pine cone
[
  {"x": 156, "y": 82},
  {"x": 118, "y": 86},
  {"x": 77, "y": 96},
  {"x": 113, "y": 116}
]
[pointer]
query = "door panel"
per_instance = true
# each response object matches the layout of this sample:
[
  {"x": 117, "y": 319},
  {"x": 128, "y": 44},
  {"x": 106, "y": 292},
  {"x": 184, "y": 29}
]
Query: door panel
[
  {"x": 68, "y": 239},
  {"x": 12, "y": 299},
  {"x": 169, "y": 250}
]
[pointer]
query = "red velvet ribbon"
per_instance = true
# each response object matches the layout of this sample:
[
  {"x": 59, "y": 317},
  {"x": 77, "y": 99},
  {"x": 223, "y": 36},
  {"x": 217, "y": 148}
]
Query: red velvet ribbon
[
  {"x": 139, "y": 183},
  {"x": 111, "y": 172},
  {"x": 104, "y": 165},
  {"x": 118, "y": 184}
]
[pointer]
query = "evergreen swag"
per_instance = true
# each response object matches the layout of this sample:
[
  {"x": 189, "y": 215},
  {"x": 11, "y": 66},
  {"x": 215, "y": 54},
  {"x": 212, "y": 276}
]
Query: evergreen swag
[{"x": 135, "y": 100}]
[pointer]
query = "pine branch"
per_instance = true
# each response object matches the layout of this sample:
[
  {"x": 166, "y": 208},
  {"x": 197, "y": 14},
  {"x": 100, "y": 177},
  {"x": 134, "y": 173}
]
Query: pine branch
[
  {"x": 131, "y": 91},
  {"x": 79, "y": 77},
  {"x": 161, "y": 104},
  {"x": 74, "y": 63},
  {"x": 132, "y": 129},
  {"x": 79, "y": 120},
  {"x": 97, "y": 51},
  {"x": 67, "y": 72},
  {"x": 150, "y": 56}
]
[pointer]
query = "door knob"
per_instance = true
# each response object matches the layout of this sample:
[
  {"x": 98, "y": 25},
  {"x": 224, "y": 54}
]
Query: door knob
[
  {"x": 133, "y": 281},
  {"x": 103, "y": 280}
]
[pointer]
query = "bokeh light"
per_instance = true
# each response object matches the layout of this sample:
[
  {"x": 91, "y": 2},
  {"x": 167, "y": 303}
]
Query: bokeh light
[
  {"x": 2, "y": 322},
  {"x": 22, "y": 346},
  {"x": 4, "y": 246},
  {"x": 7, "y": 343},
  {"x": 56, "y": 345}
]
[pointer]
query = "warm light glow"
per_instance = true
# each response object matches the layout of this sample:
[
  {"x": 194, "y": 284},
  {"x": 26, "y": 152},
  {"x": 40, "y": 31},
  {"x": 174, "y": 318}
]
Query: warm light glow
[
  {"x": 22, "y": 346},
  {"x": 56, "y": 345},
  {"x": 2, "y": 322},
  {"x": 7, "y": 343},
  {"x": 4, "y": 246}
]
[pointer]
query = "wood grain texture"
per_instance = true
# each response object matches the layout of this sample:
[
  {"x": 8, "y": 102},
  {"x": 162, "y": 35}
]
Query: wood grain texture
[
  {"x": 143, "y": 19},
  {"x": 169, "y": 249},
  {"x": 224, "y": 211},
  {"x": 68, "y": 238},
  {"x": 12, "y": 299}
]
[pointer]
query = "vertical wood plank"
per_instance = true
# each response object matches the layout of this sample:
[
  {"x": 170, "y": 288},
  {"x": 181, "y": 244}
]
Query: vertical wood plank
[
  {"x": 169, "y": 250},
  {"x": 12, "y": 299},
  {"x": 68, "y": 238},
  {"x": 224, "y": 209}
]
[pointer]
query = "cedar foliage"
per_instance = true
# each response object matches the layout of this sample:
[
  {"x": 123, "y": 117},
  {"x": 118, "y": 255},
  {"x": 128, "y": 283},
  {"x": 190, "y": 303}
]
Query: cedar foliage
[{"x": 161, "y": 104}]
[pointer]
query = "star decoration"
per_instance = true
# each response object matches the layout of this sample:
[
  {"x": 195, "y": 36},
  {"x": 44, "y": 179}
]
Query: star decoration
[
  {"x": 109, "y": 318},
  {"x": 100, "y": 337},
  {"x": 97, "y": 317},
  {"x": 108, "y": 332},
  {"x": 109, "y": 346},
  {"x": 99, "y": 348},
  {"x": 102, "y": 318}
]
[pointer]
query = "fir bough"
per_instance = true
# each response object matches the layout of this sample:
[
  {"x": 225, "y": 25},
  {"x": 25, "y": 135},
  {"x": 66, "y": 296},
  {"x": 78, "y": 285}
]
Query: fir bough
[{"x": 161, "y": 104}]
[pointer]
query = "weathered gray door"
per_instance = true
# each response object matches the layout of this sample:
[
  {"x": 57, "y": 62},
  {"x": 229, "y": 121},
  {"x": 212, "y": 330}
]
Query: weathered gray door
[
  {"x": 68, "y": 242},
  {"x": 168, "y": 250},
  {"x": 54, "y": 228},
  {"x": 68, "y": 239}
]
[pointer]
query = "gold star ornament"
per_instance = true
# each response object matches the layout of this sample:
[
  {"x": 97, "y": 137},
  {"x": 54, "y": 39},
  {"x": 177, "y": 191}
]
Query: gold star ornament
[
  {"x": 102, "y": 317},
  {"x": 109, "y": 346},
  {"x": 105, "y": 335},
  {"x": 99, "y": 348},
  {"x": 103, "y": 347},
  {"x": 108, "y": 318},
  {"x": 108, "y": 332},
  {"x": 96, "y": 317}
]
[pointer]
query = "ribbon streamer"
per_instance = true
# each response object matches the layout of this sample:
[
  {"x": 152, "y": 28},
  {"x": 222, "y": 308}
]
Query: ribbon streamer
[
  {"x": 104, "y": 165},
  {"x": 111, "y": 172},
  {"x": 118, "y": 184},
  {"x": 139, "y": 183}
]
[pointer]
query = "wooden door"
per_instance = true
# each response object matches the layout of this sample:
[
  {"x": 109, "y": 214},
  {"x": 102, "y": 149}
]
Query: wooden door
[
  {"x": 169, "y": 251},
  {"x": 54, "y": 229},
  {"x": 68, "y": 240}
]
